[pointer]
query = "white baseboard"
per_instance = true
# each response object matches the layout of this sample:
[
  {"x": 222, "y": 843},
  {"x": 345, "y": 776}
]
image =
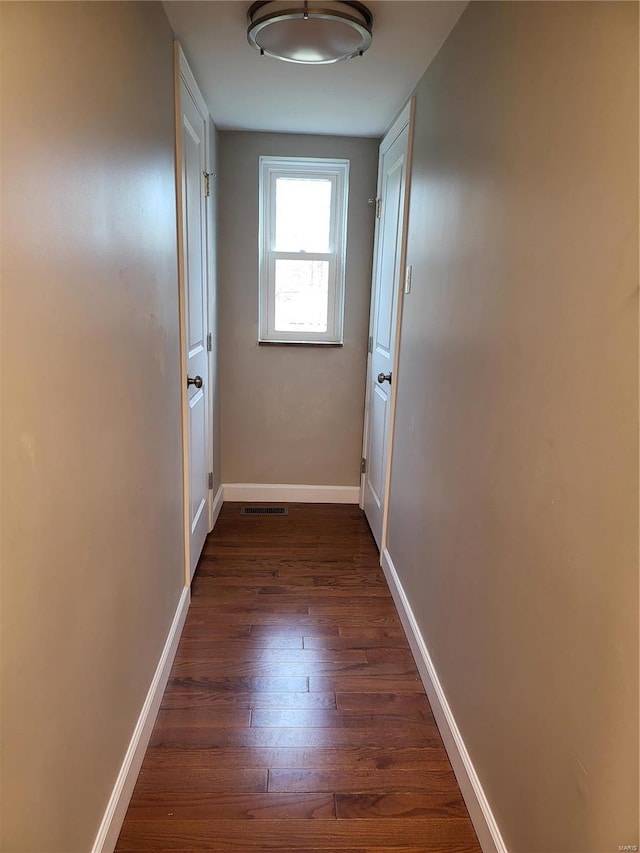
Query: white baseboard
[
  {"x": 479, "y": 809},
  {"x": 281, "y": 492},
  {"x": 216, "y": 507},
  {"x": 111, "y": 825}
]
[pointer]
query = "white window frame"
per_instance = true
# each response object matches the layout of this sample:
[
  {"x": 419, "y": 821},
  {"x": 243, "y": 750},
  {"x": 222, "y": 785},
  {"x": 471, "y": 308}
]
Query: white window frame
[{"x": 337, "y": 171}]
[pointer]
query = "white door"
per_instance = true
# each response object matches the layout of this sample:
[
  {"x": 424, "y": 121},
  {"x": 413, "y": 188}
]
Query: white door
[
  {"x": 194, "y": 303},
  {"x": 388, "y": 273}
]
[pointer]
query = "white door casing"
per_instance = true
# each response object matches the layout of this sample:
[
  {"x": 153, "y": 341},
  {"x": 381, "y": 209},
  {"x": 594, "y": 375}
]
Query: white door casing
[
  {"x": 192, "y": 145},
  {"x": 384, "y": 323}
]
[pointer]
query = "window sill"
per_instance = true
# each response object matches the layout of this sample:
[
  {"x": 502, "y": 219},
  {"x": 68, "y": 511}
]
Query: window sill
[{"x": 300, "y": 344}]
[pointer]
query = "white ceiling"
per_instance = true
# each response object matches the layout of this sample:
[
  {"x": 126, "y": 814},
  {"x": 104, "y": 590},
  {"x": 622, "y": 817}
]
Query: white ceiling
[{"x": 359, "y": 97}]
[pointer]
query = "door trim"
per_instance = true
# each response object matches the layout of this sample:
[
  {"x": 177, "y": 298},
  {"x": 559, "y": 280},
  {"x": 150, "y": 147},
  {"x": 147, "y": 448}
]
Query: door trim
[
  {"x": 182, "y": 73},
  {"x": 404, "y": 119}
]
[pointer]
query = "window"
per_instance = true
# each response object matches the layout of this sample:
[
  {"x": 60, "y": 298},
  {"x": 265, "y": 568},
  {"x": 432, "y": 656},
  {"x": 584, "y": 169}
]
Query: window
[{"x": 303, "y": 220}]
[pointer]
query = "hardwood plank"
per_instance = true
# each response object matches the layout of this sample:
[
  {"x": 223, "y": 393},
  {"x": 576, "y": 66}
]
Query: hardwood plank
[
  {"x": 359, "y": 571},
  {"x": 286, "y": 718},
  {"x": 337, "y": 719},
  {"x": 281, "y": 590},
  {"x": 243, "y": 684},
  {"x": 238, "y": 572},
  {"x": 405, "y": 804},
  {"x": 250, "y": 641},
  {"x": 291, "y": 758},
  {"x": 175, "y": 698},
  {"x": 437, "y": 777},
  {"x": 286, "y": 849},
  {"x": 204, "y": 780},
  {"x": 414, "y": 704},
  {"x": 369, "y": 631},
  {"x": 268, "y": 552},
  {"x": 405, "y": 849},
  {"x": 354, "y": 608},
  {"x": 424, "y": 834},
  {"x": 255, "y": 806},
  {"x": 364, "y": 684},
  {"x": 278, "y": 530},
  {"x": 365, "y": 565},
  {"x": 273, "y": 631},
  {"x": 229, "y": 577},
  {"x": 293, "y": 620},
  {"x": 214, "y": 596},
  {"x": 288, "y": 568},
  {"x": 216, "y": 717},
  {"x": 378, "y": 735},
  {"x": 202, "y": 627},
  {"x": 250, "y": 606},
  {"x": 365, "y": 643},
  {"x": 298, "y": 701},
  {"x": 205, "y": 668},
  {"x": 203, "y": 718},
  {"x": 235, "y": 652},
  {"x": 243, "y": 849},
  {"x": 389, "y": 655}
]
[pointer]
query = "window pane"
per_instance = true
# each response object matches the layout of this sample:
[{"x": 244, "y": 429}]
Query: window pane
[
  {"x": 303, "y": 215},
  {"x": 302, "y": 296}
]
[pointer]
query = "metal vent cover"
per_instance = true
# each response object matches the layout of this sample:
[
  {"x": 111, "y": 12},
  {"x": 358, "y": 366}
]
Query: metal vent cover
[{"x": 264, "y": 510}]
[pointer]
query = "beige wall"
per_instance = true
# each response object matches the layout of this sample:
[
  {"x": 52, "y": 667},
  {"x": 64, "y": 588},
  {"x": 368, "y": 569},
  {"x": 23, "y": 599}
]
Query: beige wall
[
  {"x": 514, "y": 508},
  {"x": 92, "y": 554},
  {"x": 290, "y": 414}
]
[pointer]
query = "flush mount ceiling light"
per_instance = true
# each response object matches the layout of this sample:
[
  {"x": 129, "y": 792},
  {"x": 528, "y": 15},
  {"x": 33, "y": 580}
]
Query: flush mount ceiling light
[{"x": 312, "y": 33}]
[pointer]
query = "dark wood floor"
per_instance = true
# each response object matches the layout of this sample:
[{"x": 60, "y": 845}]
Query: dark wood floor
[{"x": 294, "y": 719}]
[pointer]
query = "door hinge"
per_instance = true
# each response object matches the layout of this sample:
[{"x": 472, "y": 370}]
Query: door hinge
[
  {"x": 207, "y": 183},
  {"x": 378, "y": 204},
  {"x": 363, "y": 466},
  {"x": 370, "y": 343},
  {"x": 209, "y": 342},
  {"x": 211, "y": 479}
]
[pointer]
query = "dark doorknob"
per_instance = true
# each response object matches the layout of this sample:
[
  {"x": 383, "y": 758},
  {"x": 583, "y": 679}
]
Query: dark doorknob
[
  {"x": 197, "y": 381},
  {"x": 384, "y": 377}
]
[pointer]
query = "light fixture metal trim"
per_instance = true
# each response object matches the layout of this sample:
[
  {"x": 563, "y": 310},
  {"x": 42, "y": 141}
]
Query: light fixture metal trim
[{"x": 268, "y": 13}]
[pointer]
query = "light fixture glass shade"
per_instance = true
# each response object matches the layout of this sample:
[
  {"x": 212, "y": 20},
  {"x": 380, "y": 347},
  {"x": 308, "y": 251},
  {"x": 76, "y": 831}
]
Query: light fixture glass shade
[{"x": 313, "y": 33}]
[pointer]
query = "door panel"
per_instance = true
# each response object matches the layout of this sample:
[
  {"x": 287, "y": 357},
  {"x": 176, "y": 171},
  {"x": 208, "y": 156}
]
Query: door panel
[
  {"x": 375, "y": 480},
  {"x": 195, "y": 321},
  {"x": 385, "y": 303},
  {"x": 195, "y": 250},
  {"x": 384, "y": 317},
  {"x": 198, "y": 458}
]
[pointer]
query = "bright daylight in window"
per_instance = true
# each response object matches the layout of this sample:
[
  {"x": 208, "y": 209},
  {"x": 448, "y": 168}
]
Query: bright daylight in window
[{"x": 303, "y": 214}]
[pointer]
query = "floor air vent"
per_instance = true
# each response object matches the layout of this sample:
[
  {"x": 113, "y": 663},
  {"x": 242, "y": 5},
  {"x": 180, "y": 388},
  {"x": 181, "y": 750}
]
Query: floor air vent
[{"x": 264, "y": 510}]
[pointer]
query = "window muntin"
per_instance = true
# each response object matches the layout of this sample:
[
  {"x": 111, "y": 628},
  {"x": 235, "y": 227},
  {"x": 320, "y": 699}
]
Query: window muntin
[{"x": 303, "y": 207}]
